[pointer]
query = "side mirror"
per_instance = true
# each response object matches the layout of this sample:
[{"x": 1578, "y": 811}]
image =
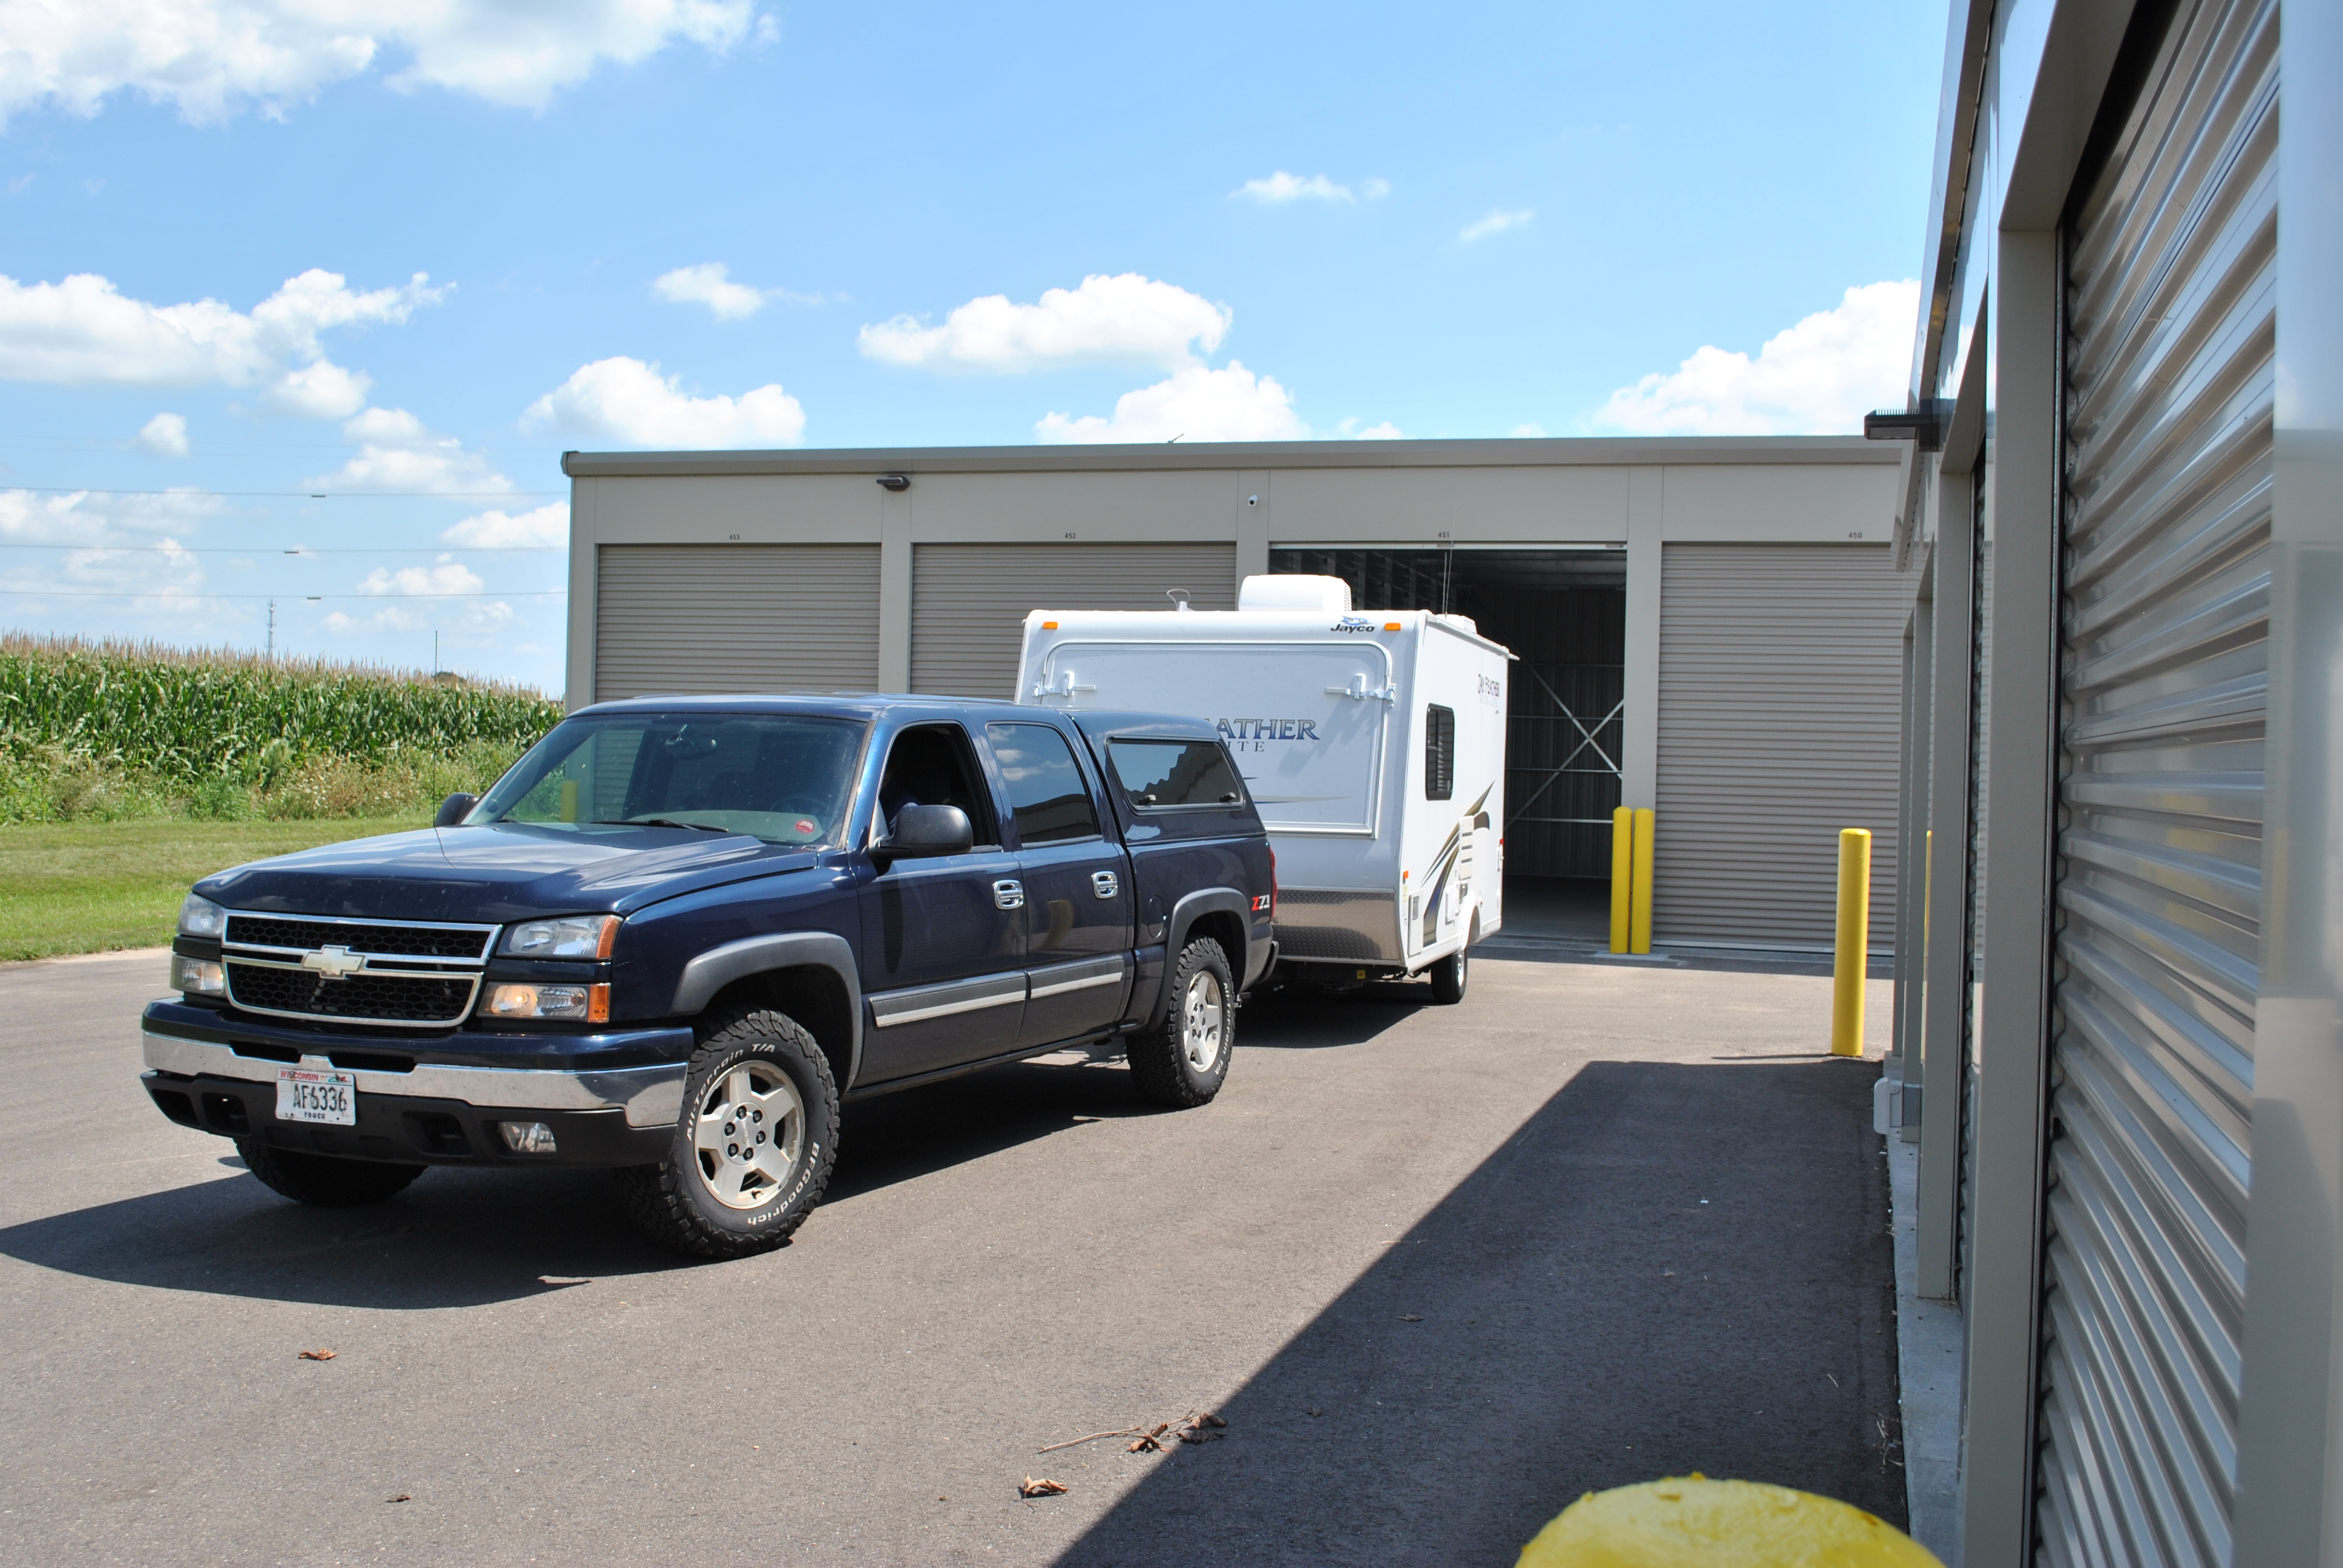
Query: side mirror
[
  {"x": 454, "y": 809},
  {"x": 925, "y": 831}
]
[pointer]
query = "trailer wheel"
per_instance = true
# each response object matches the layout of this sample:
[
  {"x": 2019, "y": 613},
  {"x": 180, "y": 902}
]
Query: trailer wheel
[
  {"x": 1182, "y": 1062},
  {"x": 1448, "y": 977}
]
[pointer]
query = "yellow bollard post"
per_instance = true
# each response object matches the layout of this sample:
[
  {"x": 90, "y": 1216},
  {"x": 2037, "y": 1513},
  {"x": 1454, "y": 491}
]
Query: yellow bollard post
[
  {"x": 1639, "y": 918},
  {"x": 1622, "y": 874},
  {"x": 1854, "y": 958}
]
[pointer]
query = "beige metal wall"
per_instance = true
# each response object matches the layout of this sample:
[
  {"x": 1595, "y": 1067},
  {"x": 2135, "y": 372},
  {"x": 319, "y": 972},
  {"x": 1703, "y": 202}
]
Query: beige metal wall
[
  {"x": 969, "y": 602},
  {"x": 1780, "y": 695},
  {"x": 736, "y": 618}
]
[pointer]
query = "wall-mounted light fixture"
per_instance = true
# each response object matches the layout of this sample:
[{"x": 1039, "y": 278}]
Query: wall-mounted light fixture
[{"x": 897, "y": 482}]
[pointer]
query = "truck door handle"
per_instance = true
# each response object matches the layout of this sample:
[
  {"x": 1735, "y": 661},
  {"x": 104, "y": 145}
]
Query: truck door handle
[
  {"x": 1105, "y": 884},
  {"x": 1008, "y": 895}
]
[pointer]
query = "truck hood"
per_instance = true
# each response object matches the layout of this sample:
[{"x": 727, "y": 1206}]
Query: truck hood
[{"x": 503, "y": 872}]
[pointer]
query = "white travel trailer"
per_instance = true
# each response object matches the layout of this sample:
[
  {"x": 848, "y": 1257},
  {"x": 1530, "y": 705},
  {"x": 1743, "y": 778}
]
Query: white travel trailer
[{"x": 1373, "y": 742}]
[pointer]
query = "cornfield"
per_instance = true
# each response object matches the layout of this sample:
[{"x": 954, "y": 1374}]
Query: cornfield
[{"x": 187, "y": 714}]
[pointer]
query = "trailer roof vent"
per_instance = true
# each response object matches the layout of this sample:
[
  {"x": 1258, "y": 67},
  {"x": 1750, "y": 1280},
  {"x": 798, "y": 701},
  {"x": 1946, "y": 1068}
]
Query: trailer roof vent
[{"x": 1295, "y": 591}]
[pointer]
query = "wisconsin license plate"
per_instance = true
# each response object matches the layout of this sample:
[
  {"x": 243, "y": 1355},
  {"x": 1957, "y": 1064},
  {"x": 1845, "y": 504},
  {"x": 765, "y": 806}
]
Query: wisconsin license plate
[{"x": 317, "y": 1094}]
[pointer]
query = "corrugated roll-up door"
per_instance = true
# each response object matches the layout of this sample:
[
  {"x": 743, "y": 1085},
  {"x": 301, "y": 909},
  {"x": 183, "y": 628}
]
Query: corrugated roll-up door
[
  {"x": 688, "y": 618},
  {"x": 1780, "y": 683},
  {"x": 1973, "y": 965},
  {"x": 969, "y": 602},
  {"x": 2169, "y": 363}
]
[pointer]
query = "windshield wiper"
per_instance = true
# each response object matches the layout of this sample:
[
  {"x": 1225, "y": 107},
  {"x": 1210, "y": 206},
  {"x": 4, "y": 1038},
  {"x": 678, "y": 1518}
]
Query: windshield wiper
[{"x": 660, "y": 822}]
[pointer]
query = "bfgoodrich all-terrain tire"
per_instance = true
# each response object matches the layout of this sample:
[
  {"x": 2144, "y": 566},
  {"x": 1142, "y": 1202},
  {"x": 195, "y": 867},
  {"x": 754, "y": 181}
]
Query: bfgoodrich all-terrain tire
[
  {"x": 1182, "y": 1062},
  {"x": 320, "y": 1179},
  {"x": 753, "y": 1144},
  {"x": 1448, "y": 976}
]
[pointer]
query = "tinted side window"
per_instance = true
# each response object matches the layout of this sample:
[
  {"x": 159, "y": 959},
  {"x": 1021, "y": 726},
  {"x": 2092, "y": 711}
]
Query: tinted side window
[
  {"x": 1159, "y": 773},
  {"x": 1045, "y": 788},
  {"x": 1438, "y": 752}
]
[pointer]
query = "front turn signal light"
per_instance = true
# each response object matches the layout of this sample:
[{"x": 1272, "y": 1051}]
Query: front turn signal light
[
  {"x": 197, "y": 977},
  {"x": 528, "y": 999}
]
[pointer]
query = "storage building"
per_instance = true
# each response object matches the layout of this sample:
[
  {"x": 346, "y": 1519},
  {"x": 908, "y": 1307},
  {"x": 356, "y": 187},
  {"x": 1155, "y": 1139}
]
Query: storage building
[{"x": 1707, "y": 628}]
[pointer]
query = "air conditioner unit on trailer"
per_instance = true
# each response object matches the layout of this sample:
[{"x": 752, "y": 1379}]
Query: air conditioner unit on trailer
[{"x": 1373, "y": 742}]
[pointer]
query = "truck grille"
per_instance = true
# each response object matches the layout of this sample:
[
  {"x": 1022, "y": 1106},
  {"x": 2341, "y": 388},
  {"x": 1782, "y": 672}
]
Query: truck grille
[
  {"x": 407, "y": 998},
  {"x": 413, "y": 975},
  {"x": 387, "y": 940}
]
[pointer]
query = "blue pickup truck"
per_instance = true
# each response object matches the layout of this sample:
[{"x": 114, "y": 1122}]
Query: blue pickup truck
[{"x": 680, "y": 931}]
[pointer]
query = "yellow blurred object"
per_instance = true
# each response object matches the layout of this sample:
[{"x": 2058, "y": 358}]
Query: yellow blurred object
[
  {"x": 1692, "y": 1522},
  {"x": 569, "y": 799}
]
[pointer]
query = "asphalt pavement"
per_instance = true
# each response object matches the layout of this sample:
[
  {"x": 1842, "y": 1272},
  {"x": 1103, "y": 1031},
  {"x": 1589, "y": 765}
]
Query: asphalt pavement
[{"x": 1440, "y": 1269}]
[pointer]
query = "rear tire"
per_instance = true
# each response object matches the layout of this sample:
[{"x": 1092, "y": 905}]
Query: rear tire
[
  {"x": 1448, "y": 977},
  {"x": 1182, "y": 1062},
  {"x": 754, "y": 1144},
  {"x": 321, "y": 1181}
]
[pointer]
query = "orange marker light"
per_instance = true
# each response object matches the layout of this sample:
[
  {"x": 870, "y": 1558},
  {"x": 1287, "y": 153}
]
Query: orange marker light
[
  {"x": 1391, "y": 626},
  {"x": 1049, "y": 626}
]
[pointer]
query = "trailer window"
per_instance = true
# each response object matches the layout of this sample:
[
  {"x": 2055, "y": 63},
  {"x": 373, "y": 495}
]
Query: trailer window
[
  {"x": 1438, "y": 752},
  {"x": 1046, "y": 790},
  {"x": 1156, "y": 774}
]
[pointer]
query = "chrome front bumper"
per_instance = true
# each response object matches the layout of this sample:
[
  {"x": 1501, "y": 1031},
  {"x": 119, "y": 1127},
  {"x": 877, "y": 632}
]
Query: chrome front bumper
[{"x": 650, "y": 1096}]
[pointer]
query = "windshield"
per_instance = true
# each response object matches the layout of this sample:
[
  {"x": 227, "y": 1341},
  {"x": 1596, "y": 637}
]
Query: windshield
[{"x": 784, "y": 779}]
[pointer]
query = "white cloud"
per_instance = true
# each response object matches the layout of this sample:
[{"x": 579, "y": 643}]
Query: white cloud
[
  {"x": 1497, "y": 221},
  {"x": 547, "y": 526},
  {"x": 1277, "y": 189},
  {"x": 707, "y": 284},
  {"x": 1817, "y": 378},
  {"x": 447, "y": 576},
  {"x": 84, "y": 332},
  {"x": 1125, "y": 319},
  {"x": 1196, "y": 404},
  {"x": 84, "y": 518},
  {"x": 1386, "y": 431},
  {"x": 628, "y": 403},
  {"x": 396, "y": 453},
  {"x": 165, "y": 434},
  {"x": 208, "y": 58},
  {"x": 1532, "y": 431},
  {"x": 115, "y": 550}
]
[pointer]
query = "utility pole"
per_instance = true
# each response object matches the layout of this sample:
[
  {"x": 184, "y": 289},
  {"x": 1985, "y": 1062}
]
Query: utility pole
[
  {"x": 272, "y": 631},
  {"x": 435, "y": 653}
]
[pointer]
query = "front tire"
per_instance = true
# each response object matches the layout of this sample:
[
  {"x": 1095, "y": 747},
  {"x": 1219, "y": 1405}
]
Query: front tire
[
  {"x": 321, "y": 1181},
  {"x": 1448, "y": 976},
  {"x": 1182, "y": 1062},
  {"x": 754, "y": 1146}
]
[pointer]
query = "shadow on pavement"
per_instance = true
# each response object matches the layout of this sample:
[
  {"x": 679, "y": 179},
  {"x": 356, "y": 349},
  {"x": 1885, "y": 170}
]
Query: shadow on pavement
[
  {"x": 456, "y": 1238},
  {"x": 1669, "y": 1268},
  {"x": 463, "y": 1237}
]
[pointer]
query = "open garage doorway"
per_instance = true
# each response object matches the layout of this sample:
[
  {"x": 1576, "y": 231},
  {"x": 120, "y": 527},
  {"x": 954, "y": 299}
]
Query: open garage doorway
[{"x": 1564, "y": 614}]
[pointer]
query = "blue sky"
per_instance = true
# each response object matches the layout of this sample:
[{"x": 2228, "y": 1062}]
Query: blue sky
[{"x": 405, "y": 263}]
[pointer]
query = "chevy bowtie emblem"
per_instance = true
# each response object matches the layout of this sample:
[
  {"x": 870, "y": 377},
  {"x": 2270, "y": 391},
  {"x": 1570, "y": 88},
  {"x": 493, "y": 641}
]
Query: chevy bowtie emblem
[{"x": 334, "y": 963}]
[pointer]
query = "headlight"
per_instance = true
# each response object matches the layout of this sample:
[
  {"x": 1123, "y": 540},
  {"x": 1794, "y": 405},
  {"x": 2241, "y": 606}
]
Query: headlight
[
  {"x": 584, "y": 1003},
  {"x": 199, "y": 917},
  {"x": 571, "y": 937},
  {"x": 197, "y": 977}
]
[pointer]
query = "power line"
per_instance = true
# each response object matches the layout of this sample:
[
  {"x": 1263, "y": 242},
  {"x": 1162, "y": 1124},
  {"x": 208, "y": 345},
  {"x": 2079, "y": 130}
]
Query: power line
[
  {"x": 370, "y": 598},
  {"x": 442, "y": 548},
  {"x": 296, "y": 495}
]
